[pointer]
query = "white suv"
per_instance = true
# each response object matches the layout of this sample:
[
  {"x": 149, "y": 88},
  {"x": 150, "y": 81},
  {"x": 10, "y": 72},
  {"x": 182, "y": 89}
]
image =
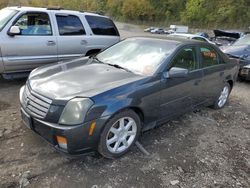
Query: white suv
[{"x": 31, "y": 37}]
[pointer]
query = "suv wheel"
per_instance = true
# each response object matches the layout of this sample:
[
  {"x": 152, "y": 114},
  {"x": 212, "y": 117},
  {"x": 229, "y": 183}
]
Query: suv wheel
[{"x": 119, "y": 134}]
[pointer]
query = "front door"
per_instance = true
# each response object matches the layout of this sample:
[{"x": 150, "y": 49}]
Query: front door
[
  {"x": 35, "y": 46},
  {"x": 182, "y": 94}
]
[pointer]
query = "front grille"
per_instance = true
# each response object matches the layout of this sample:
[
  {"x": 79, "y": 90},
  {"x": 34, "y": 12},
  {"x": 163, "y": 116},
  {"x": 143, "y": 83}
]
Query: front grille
[{"x": 35, "y": 104}]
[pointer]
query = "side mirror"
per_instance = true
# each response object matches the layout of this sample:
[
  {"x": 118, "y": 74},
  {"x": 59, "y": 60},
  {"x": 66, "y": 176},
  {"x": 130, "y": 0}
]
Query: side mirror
[
  {"x": 176, "y": 72},
  {"x": 14, "y": 30}
]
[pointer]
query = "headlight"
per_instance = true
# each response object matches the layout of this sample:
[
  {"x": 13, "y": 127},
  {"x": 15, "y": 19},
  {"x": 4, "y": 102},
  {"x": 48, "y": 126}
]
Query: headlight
[{"x": 75, "y": 111}]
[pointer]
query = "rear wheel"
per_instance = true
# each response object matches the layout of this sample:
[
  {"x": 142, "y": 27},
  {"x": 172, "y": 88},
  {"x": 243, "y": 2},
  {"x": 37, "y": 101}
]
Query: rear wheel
[
  {"x": 119, "y": 134},
  {"x": 223, "y": 97}
]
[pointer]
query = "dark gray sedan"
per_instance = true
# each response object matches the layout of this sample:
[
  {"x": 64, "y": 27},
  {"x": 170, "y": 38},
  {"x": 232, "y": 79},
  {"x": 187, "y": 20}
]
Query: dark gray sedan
[{"x": 103, "y": 103}]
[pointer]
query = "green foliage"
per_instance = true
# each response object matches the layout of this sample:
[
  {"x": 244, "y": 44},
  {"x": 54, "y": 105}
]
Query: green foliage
[{"x": 197, "y": 13}]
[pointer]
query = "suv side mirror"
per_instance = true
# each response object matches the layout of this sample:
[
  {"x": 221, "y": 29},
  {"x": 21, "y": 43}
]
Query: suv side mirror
[
  {"x": 14, "y": 30},
  {"x": 176, "y": 72}
]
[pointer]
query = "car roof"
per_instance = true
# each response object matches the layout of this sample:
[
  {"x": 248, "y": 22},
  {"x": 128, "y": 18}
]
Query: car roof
[
  {"x": 55, "y": 9},
  {"x": 175, "y": 40},
  {"x": 186, "y": 35}
]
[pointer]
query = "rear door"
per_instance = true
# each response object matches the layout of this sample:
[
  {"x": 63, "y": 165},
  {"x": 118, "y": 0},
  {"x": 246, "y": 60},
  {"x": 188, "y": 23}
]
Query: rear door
[
  {"x": 181, "y": 94},
  {"x": 214, "y": 72},
  {"x": 35, "y": 46},
  {"x": 103, "y": 31},
  {"x": 71, "y": 37}
]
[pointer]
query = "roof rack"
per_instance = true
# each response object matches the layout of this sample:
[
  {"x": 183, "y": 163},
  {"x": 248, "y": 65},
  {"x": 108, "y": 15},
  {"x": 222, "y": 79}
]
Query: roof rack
[
  {"x": 94, "y": 12},
  {"x": 55, "y": 8}
]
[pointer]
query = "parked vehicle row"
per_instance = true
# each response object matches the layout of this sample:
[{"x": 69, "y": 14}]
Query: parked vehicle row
[
  {"x": 32, "y": 37},
  {"x": 172, "y": 29}
]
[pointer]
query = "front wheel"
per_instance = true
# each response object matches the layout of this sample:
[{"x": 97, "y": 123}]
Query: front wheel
[
  {"x": 119, "y": 134},
  {"x": 223, "y": 97}
]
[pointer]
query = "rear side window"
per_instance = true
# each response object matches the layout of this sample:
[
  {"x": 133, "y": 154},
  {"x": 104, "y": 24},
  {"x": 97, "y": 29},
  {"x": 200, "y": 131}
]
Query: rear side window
[
  {"x": 209, "y": 57},
  {"x": 69, "y": 25},
  {"x": 102, "y": 26}
]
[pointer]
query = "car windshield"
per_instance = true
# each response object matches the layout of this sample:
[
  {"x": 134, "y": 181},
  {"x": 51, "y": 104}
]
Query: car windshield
[
  {"x": 139, "y": 55},
  {"x": 243, "y": 41},
  {"x": 5, "y": 15}
]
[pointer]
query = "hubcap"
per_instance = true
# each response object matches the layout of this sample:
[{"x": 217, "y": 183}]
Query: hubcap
[
  {"x": 121, "y": 135},
  {"x": 223, "y": 96}
]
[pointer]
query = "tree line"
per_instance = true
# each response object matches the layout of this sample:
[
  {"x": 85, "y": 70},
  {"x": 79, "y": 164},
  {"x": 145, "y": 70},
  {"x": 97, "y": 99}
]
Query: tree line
[{"x": 195, "y": 13}]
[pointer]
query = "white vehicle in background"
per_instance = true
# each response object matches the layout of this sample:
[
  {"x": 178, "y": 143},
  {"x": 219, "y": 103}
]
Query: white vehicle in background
[
  {"x": 157, "y": 31},
  {"x": 191, "y": 37},
  {"x": 177, "y": 29}
]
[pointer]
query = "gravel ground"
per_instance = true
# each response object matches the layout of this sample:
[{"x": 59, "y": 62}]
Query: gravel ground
[{"x": 207, "y": 148}]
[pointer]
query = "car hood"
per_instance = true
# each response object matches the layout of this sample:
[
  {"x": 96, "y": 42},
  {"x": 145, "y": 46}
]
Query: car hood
[
  {"x": 247, "y": 66},
  {"x": 79, "y": 78},
  {"x": 237, "y": 51}
]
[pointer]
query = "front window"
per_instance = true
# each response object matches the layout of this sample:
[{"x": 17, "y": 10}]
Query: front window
[
  {"x": 34, "y": 24},
  {"x": 186, "y": 59},
  {"x": 141, "y": 56},
  {"x": 5, "y": 16},
  {"x": 243, "y": 41}
]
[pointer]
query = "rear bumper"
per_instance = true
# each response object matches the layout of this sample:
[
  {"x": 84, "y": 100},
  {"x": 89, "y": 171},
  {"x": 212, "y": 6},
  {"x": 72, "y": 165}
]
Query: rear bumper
[{"x": 79, "y": 141}]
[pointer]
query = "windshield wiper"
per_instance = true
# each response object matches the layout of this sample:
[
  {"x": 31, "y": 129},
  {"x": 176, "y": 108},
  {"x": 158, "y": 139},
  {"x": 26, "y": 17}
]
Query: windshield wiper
[
  {"x": 113, "y": 65},
  {"x": 96, "y": 58},
  {"x": 118, "y": 67}
]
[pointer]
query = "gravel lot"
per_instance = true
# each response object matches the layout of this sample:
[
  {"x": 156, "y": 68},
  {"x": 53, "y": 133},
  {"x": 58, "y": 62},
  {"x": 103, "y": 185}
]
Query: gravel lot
[{"x": 207, "y": 148}]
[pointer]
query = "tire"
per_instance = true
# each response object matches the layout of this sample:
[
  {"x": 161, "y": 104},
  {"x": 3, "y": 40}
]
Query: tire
[
  {"x": 119, "y": 134},
  {"x": 222, "y": 99}
]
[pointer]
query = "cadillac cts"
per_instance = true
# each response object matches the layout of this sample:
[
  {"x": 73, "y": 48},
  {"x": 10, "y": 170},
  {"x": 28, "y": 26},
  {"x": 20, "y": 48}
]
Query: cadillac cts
[{"x": 103, "y": 103}]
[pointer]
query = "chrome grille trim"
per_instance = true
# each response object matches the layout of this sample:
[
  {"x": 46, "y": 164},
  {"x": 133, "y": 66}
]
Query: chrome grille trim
[{"x": 35, "y": 104}]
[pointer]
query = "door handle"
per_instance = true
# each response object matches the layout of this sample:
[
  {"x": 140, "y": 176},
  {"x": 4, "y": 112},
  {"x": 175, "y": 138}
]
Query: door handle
[
  {"x": 84, "y": 42},
  {"x": 51, "y": 43},
  {"x": 197, "y": 82},
  {"x": 221, "y": 73}
]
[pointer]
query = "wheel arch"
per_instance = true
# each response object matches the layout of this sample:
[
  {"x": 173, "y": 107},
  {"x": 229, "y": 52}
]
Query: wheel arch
[
  {"x": 231, "y": 83},
  {"x": 92, "y": 52}
]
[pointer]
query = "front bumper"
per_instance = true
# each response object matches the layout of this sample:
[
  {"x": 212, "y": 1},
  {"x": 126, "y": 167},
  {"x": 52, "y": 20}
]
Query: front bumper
[
  {"x": 244, "y": 73},
  {"x": 79, "y": 140}
]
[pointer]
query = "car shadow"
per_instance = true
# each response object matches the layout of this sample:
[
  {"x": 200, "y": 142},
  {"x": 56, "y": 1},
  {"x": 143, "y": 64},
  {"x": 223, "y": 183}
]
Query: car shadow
[{"x": 9, "y": 83}]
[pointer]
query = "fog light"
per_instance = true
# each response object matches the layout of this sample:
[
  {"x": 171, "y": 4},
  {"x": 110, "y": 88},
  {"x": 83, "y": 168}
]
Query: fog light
[{"x": 62, "y": 142}]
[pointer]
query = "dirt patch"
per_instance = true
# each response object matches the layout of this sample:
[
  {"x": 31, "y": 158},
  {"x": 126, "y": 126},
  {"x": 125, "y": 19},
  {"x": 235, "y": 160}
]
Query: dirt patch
[{"x": 4, "y": 105}]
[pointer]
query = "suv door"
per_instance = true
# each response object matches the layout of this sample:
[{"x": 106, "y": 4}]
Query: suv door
[
  {"x": 214, "y": 71},
  {"x": 71, "y": 39},
  {"x": 33, "y": 47},
  {"x": 182, "y": 94}
]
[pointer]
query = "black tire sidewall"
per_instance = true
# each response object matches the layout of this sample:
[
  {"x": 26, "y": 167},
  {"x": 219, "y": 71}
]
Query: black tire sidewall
[{"x": 102, "y": 148}]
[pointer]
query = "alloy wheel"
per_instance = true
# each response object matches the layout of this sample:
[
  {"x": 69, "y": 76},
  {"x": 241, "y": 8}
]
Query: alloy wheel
[
  {"x": 121, "y": 135},
  {"x": 223, "y": 96}
]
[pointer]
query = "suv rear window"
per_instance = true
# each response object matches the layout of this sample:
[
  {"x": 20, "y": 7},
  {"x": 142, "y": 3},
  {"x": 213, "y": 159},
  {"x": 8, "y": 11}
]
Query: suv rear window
[
  {"x": 102, "y": 26},
  {"x": 70, "y": 25}
]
